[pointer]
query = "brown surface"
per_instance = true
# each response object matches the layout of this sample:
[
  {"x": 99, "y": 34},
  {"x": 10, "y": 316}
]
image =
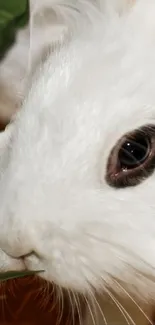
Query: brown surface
[{"x": 30, "y": 301}]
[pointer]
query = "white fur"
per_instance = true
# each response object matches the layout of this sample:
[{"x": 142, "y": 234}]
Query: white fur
[{"x": 53, "y": 196}]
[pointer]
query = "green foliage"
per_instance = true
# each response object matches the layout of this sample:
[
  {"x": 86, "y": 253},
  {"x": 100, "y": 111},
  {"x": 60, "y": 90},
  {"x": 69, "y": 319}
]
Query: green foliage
[
  {"x": 13, "y": 15},
  {"x": 14, "y": 275}
]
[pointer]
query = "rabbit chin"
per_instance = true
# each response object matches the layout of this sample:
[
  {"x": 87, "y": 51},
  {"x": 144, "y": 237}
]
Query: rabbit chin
[
  {"x": 73, "y": 271},
  {"x": 76, "y": 273}
]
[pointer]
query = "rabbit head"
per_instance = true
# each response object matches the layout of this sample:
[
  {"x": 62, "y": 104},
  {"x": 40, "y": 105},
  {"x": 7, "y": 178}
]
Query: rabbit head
[{"x": 77, "y": 187}]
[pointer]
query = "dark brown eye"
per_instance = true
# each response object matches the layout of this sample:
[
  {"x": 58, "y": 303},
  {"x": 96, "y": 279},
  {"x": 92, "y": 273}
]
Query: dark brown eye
[
  {"x": 134, "y": 152},
  {"x": 132, "y": 159}
]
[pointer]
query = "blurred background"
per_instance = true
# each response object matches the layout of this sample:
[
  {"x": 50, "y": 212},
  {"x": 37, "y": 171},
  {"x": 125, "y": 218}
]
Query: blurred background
[{"x": 13, "y": 15}]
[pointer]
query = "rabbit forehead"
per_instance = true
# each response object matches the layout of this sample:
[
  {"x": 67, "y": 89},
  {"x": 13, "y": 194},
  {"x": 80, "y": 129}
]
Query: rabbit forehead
[
  {"x": 102, "y": 83},
  {"x": 86, "y": 96}
]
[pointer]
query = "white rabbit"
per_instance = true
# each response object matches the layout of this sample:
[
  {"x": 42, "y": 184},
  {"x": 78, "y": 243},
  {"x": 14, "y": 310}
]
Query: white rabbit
[{"x": 77, "y": 182}]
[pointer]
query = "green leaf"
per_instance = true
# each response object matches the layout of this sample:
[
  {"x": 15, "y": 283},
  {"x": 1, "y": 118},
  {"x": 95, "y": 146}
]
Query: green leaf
[
  {"x": 14, "y": 274},
  {"x": 13, "y": 15},
  {"x": 14, "y": 7},
  {"x": 5, "y": 17}
]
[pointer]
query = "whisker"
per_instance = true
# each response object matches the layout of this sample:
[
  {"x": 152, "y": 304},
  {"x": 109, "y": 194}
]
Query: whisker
[
  {"x": 70, "y": 294},
  {"x": 54, "y": 293},
  {"x": 121, "y": 247},
  {"x": 90, "y": 311},
  {"x": 77, "y": 303},
  {"x": 60, "y": 305},
  {"x": 98, "y": 305},
  {"x": 123, "y": 311},
  {"x": 132, "y": 299},
  {"x": 93, "y": 306},
  {"x": 3, "y": 300}
]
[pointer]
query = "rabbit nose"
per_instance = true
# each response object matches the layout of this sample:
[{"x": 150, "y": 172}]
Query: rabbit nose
[
  {"x": 17, "y": 245},
  {"x": 17, "y": 251}
]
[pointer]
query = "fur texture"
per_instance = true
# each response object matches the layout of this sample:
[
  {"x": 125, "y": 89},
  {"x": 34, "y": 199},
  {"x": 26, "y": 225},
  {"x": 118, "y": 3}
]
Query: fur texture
[{"x": 86, "y": 90}]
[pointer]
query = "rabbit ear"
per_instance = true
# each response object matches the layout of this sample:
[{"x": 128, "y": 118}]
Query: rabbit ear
[
  {"x": 50, "y": 20},
  {"x": 45, "y": 32},
  {"x": 118, "y": 6}
]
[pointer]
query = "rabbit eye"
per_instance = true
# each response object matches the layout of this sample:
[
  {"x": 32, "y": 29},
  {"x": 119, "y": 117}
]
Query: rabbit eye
[
  {"x": 132, "y": 159},
  {"x": 133, "y": 152}
]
